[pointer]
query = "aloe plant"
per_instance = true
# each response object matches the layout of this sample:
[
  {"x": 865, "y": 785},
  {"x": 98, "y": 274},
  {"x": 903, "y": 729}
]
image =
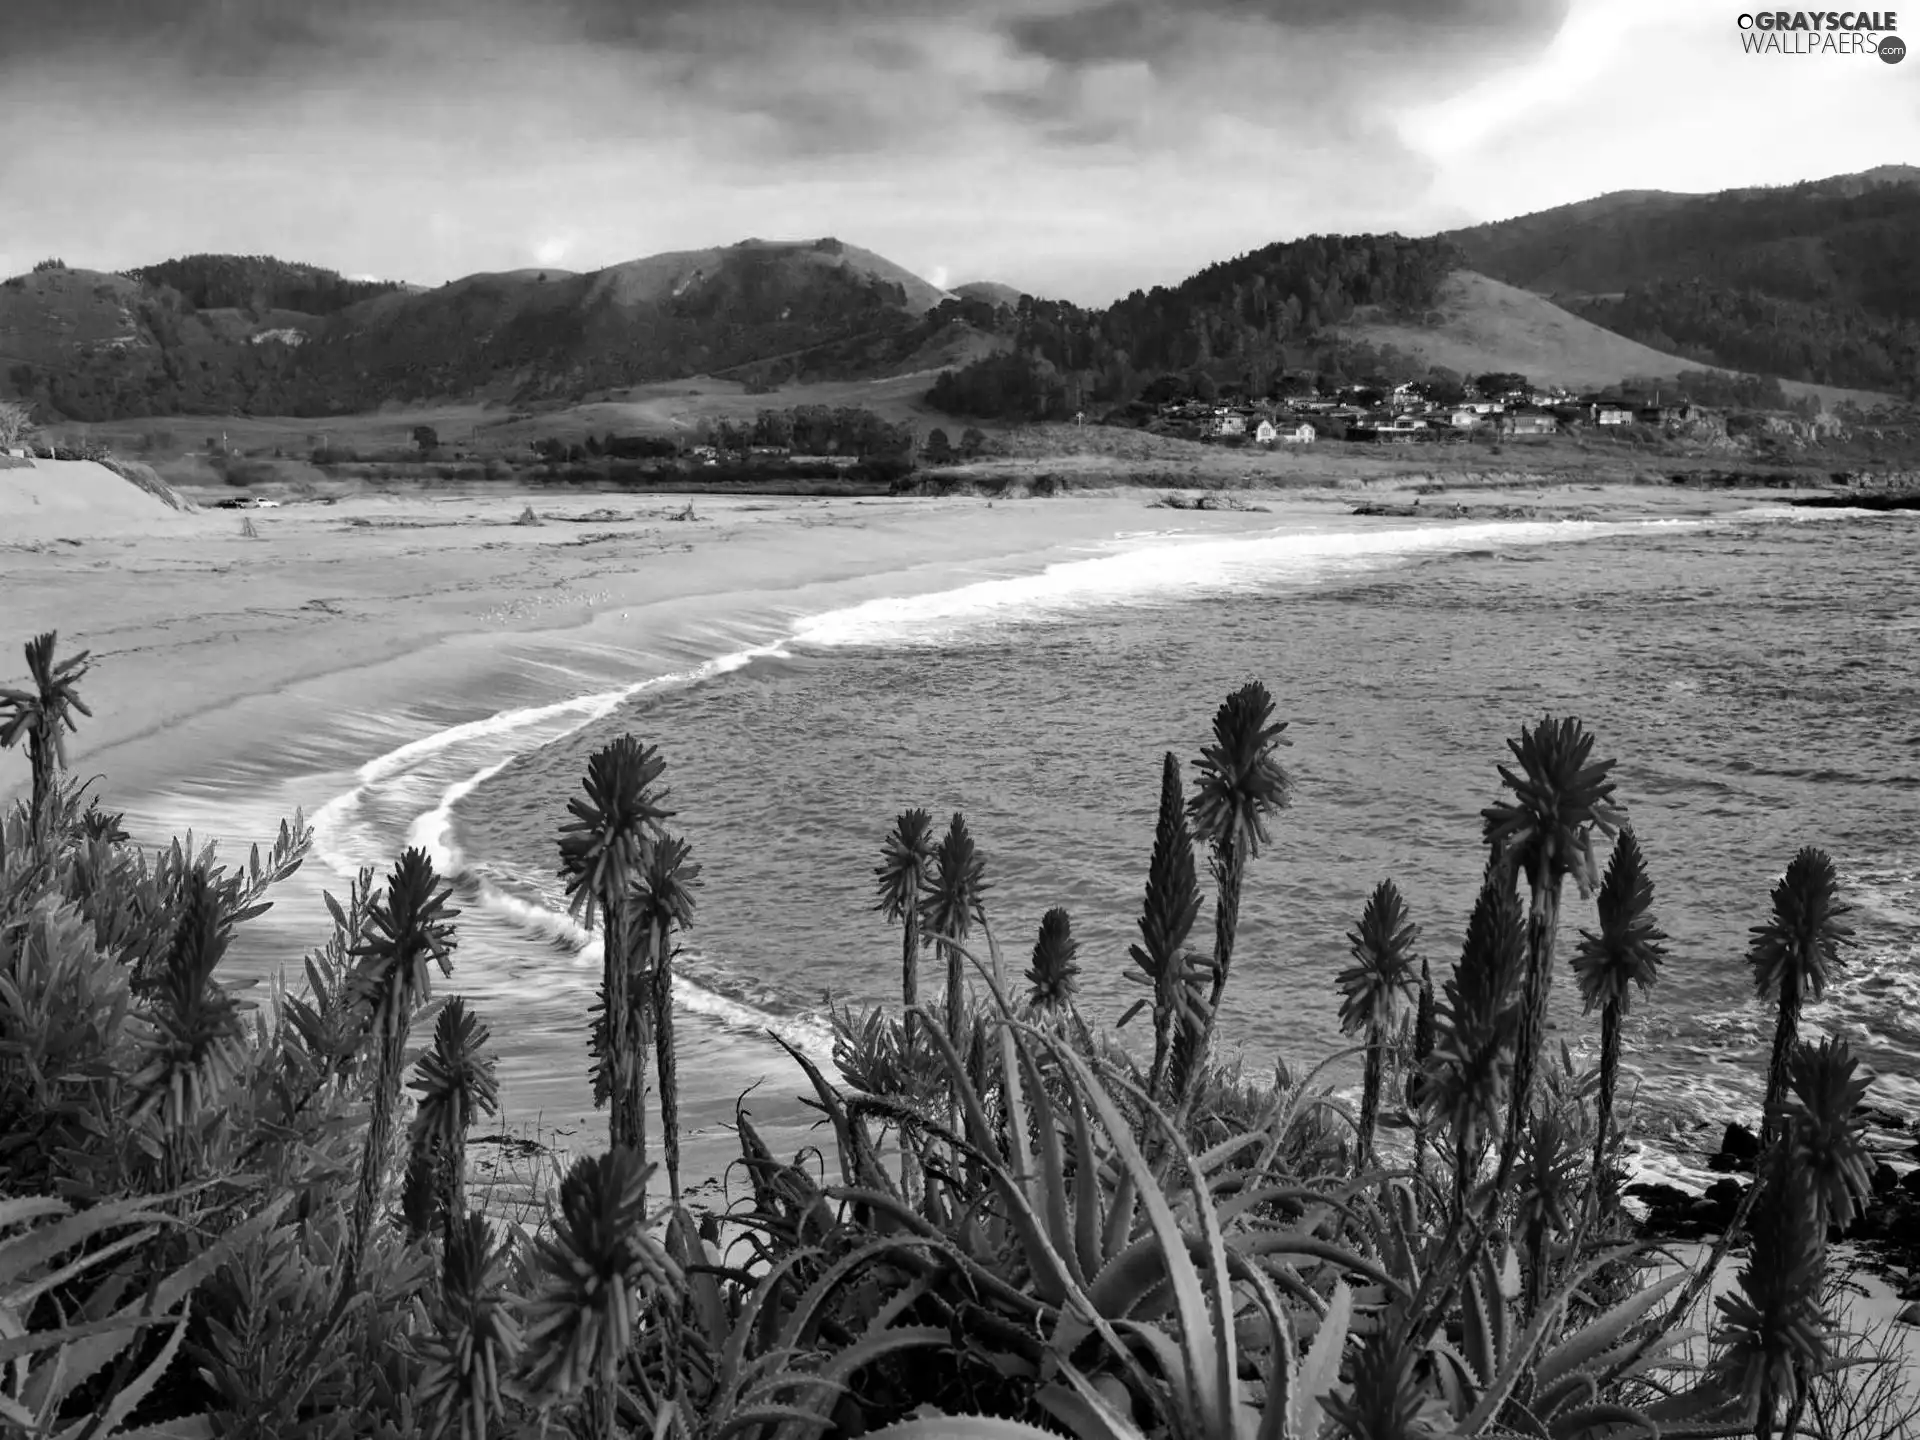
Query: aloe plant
[
  {"x": 1793, "y": 954},
  {"x": 1469, "y": 1075},
  {"x": 902, "y": 877},
  {"x": 597, "y": 1271},
  {"x": 603, "y": 853},
  {"x": 1375, "y": 988},
  {"x": 456, "y": 1083},
  {"x": 1562, "y": 798},
  {"x": 1054, "y": 976},
  {"x": 1773, "y": 1333},
  {"x": 1425, "y": 1032},
  {"x": 1824, "y": 1133},
  {"x": 408, "y": 929},
  {"x": 476, "y": 1338},
  {"x": 662, "y": 904},
  {"x": 1166, "y": 920},
  {"x": 42, "y": 714},
  {"x": 1241, "y": 786},
  {"x": 952, "y": 906},
  {"x": 1623, "y": 956}
]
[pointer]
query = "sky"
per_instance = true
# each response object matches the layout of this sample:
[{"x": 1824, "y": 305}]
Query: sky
[{"x": 1072, "y": 148}]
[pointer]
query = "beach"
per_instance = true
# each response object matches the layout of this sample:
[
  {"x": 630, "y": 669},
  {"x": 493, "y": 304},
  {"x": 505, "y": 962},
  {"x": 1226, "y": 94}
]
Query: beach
[{"x": 373, "y": 661}]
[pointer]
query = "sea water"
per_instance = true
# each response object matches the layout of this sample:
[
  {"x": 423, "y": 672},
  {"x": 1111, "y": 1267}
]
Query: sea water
[{"x": 1756, "y": 675}]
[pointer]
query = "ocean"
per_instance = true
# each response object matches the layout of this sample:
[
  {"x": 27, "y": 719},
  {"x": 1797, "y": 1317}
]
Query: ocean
[{"x": 1755, "y": 674}]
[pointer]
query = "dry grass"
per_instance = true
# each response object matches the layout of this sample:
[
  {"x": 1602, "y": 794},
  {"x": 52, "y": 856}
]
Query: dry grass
[{"x": 1487, "y": 325}]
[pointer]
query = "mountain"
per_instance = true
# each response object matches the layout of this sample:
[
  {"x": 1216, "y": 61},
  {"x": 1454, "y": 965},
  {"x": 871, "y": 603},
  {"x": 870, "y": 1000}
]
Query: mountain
[
  {"x": 214, "y": 334},
  {"x": 1817, "y": 282}
]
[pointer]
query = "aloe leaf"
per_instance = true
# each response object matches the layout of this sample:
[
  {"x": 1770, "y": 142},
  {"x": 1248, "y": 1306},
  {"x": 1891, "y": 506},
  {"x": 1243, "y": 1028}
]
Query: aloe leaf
[
  {"x": 89, "y": 1356},
  {"x": 1603, "y": 1422},
  {"x": 1087, "y": 1192},
  {"x": 128, "y": 1400},
  {"x": 1595, "y": 1339},
  {"x": 1088, "y": 1413},
  {"x": 1213, "y": 1414},
  {"x": 1052, "y": 1280},
  {"x": 1320, "y": 1371},
  {"x": 1051, "y": 1182},
  {"x": 969, "y": 1427}
]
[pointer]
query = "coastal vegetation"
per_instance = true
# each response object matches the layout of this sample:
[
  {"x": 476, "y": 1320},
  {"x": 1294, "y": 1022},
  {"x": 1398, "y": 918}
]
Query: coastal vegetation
[{"x": 209, "y": 1226}]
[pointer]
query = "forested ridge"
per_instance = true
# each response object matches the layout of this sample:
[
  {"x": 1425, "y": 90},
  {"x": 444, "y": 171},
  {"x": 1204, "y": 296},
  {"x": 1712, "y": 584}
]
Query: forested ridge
[
  {"x": 1817, "y": 282},
  {"x": 1252, "y": 315}
]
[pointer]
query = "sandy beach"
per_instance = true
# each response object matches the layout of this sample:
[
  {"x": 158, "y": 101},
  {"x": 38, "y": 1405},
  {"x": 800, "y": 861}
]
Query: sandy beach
[{"x": 394, "y": 602}]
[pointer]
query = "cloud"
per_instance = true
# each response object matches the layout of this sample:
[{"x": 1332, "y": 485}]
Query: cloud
[{"x": 1071, "y": 147}]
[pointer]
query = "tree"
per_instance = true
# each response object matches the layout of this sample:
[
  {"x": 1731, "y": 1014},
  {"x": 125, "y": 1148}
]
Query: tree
[
  {"x": 938, "y": 449},
  {"x": 1376, "y": 986},
  {"x": 973, "y": 441},
  {"x": 603, "y": 853},
  {"x": 1496, "y": 383},
  {"x": 663, "y": 902},
  {"x": 16, "y": 424},
  {"x": 1793, "y": 955},
  {"x": 902, "y": 878},
  {"x": 1240, "y": 787},
  {"x": 1561, "y": 797},
  {"x": 42, "y": 713},
  {"x": 1623, "y": 956},
  {"x": 408, "y": 928},
  {"x": 426, "y": 438}
]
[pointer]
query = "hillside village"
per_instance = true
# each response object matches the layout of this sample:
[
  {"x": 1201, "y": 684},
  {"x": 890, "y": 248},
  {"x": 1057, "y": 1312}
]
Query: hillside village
[{"x": 1503, "y": 407}]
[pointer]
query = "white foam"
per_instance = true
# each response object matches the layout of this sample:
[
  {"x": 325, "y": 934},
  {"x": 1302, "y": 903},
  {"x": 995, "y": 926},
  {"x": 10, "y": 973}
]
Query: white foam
[
  {"x": 589, "y": 947},
  {"x": 1169, "y": 567}
]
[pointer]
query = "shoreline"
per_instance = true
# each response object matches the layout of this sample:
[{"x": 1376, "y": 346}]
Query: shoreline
[{"x": 238, "y": 678}]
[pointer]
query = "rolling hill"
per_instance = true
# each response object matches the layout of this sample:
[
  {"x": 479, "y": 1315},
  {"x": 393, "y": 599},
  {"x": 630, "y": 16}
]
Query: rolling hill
[
  {"x": 1483, "y": 325},
  {"x": 1816, "y": 282},
  {"x": 89, "y": 346}
]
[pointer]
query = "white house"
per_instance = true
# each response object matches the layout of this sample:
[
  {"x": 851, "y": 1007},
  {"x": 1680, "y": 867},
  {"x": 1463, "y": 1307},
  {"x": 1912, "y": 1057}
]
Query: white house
[
  {"x": 1229, "y": 422},
  {"x": 1301, "y": 434},
  {"x": 1264, "y": 433}
]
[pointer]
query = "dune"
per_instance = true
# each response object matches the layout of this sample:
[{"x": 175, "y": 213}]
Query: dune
[{"x": 56, "y": 499}]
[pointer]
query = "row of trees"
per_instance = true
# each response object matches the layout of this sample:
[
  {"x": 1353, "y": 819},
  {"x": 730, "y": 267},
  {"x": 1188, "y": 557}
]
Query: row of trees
[
  {"x": 259, "y": 283},
  {"x": 1065, "y": 1238}
]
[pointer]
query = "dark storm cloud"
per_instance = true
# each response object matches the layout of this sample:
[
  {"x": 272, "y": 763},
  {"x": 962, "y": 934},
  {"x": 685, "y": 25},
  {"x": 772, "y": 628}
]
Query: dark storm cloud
[{"x": 235, "y": 35}]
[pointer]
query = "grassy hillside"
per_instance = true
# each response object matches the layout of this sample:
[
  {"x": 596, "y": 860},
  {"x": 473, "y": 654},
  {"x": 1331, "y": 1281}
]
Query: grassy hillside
[
  {"x": 1484, "y": 325},
  {"x": 1817, "y": 282}
]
